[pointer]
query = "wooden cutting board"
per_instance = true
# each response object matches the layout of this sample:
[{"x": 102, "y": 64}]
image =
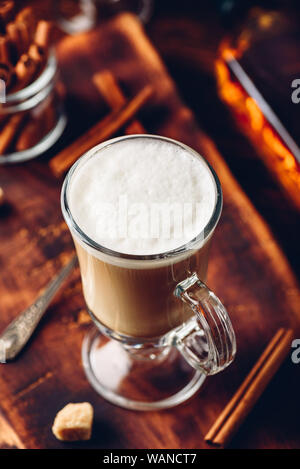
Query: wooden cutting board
[{"x": 247, "y": 270}]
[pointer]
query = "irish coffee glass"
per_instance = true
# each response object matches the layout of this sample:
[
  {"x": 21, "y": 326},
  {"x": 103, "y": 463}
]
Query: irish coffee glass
[{"x": 160, "y": 371}]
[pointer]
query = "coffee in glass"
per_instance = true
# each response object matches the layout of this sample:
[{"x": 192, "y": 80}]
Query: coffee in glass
[{"x": 142, "y": 210}]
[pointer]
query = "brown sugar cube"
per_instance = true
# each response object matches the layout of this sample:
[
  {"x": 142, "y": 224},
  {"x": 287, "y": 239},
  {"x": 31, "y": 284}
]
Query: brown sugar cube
[{"x": 74, "y": 422}]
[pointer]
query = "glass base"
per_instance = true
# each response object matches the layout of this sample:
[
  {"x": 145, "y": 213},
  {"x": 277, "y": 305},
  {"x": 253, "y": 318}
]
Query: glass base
[{"x": 146, "y": 378}]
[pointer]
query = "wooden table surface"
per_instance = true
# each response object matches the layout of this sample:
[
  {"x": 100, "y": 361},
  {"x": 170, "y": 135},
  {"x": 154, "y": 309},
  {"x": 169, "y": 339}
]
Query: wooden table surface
[{"x": 248, "y": 270}]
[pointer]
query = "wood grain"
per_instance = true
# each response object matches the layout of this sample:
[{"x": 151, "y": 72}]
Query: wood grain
[{"x": 247, "y": 270}]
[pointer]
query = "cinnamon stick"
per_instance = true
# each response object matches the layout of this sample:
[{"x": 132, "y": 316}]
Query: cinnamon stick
[
  {"x": 36, "y": 53},
  {"x": 25, "y": 45},
  {"x": 25, "y": 70},
  {"x": 14, "y": 35},
  {"x": 29, "y": 136},
  {"x": 6, "y": 74},
  {"x": 251, "y": 389},
  {"x": 24, "y": 35},
  {"x": 49, "y": 118},
  {"x": 101, "y": 131},
  {"x": 9, "y": 132},
  {"x": 4, "y": 50},
  {"x": 108, "y": 86},
  {"x": 6, "y": 10},
  {"x": 2, "y": 197},
  {"x": 3, "y": 120},
  {"x": 26, "y": 16},
  {"x": 40, "y": 122},
  {"x": 42, "y": 34}
]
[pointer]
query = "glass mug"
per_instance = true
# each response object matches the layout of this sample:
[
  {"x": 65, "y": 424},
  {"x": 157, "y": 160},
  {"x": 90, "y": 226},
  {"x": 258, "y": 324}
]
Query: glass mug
[{"x": 159, "y": 329}]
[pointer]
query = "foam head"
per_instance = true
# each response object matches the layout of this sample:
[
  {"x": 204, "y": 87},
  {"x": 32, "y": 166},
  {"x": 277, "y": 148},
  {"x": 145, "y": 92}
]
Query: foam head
[{"x": 142, "y": 196}]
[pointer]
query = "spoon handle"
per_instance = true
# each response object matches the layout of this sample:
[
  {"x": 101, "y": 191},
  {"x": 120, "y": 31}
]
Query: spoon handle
[{"x": 19, "y": 331}]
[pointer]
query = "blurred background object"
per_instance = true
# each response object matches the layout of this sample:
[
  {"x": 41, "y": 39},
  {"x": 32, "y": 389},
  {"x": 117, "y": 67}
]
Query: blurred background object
[
  {"x": 2, "y": 197},
  {"x": 189, "y": 36},
  {"x": 75, "y": 16},
  {"x": 255, "y": 71}
]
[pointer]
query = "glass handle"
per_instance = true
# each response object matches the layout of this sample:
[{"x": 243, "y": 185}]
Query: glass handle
[{"x": 207, "y": 340}]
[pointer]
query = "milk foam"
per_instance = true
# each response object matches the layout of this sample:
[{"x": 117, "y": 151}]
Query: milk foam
[{"x": 115, "y": 196}]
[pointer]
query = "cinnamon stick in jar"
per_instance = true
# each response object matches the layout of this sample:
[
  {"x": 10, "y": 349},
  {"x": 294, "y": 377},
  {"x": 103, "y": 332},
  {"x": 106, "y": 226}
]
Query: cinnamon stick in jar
[
  {"x": 6, "y": 74},
  {"x": 6, "y": 10},
  {"x": 38, "y": 55},
  {"x": 49, "y": 118},
  {"x": 25, "y": 70},
  {"x": 3, "y": 120},
  {"x": 23, "y": 55},
  {"x": 24, "y": 35},
  {"x": 15, "y": 38},
  {"x": 30, "y": 135},
  {"x": 27, "y": 17},
  {"x": 2, "y": 197},
  {"x": 46, "y": 112},
  {"x": 38, "y": 126},
  {"x": 9, "y": 132},
  {"x": 4, "y": 50},
  {"x": 43, "y": 34}
]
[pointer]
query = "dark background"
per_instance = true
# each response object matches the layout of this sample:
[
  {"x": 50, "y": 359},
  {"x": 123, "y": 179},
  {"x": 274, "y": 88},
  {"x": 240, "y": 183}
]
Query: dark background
[{"x": 187, "y": 35}]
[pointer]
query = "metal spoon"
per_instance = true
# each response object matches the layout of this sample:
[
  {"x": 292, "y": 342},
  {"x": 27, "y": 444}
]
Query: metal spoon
[{"x": 19, "y": 331}]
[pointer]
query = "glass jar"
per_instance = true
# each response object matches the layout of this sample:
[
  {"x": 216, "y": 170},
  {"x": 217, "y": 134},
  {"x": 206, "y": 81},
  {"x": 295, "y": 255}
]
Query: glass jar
[{"x": 32, "y": 119}]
